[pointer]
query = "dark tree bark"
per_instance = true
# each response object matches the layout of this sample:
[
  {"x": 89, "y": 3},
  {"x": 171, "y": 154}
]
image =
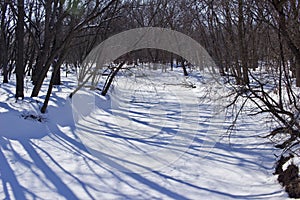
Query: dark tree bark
[
  {"x": 56, "y": 70},
  {"x": 44, "y": 51},
  {"x": 20, "y": 68},
  {"x": 57, "y": 78},
  {"x": 298, "y": 74},
  {"x": 75, "y": 27},
  {"x": 111, "y": 78},
  {"x": 243, "y": 52},
  {"x": 185, "y": 73},
  {"x": 171, "y": 61},
  {"x": 3, "y": 44},
  {"x": 290, "y": 42}
]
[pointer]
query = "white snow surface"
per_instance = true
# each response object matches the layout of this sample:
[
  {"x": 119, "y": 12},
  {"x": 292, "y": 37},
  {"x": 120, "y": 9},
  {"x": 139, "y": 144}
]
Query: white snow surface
[{"x": 50, "y": 159}]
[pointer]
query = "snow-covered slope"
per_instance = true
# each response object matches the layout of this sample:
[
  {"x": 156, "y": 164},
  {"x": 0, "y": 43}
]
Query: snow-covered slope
[{"x": 149, "y": 139}]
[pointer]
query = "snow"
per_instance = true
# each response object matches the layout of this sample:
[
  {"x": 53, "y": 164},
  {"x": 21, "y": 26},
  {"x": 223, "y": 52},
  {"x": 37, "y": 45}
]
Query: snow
[{"x": 151, "y": 138}]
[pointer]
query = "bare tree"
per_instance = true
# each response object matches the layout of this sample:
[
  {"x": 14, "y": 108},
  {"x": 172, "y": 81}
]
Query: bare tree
[
  {"x": 288, "y": 25},
  {"x": 20, "y": 67},
  {"x": 4, "y": 42},
  {"x": 59, "y": 49}
]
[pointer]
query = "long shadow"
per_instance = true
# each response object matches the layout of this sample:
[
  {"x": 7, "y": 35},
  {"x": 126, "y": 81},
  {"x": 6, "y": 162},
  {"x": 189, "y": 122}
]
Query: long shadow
[
  {"x": 9, "y": 179},
  {"x": 254, "y": 149},
  {"x": 255, "y": 196},
  {"x": 83, "y": 185},
  {"x": 60, "y": 186},
  {"x": 139, "y": 178},
  {"x": 34, "y": 163},
  {"x": 214, "y": 156},
  {"x": 170, "y": 193},
  {"x": 74, "y": 145}
]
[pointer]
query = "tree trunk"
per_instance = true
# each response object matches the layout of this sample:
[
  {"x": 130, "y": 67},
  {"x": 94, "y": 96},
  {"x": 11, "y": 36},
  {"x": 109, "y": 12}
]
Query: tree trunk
[
  {"x": 50, "y": 87},
  {"x": 57, "y": 79},
  {"x": 185, "y": 73},
  {"x": 30, "y": 63},
  {"x": 172, "y": 61},
  {"x": 5, "y": 64},
  {"x": 298, "y": 74},
  {"x": 111, "y": 78},
  {"x": 56, "y": 70},
  {"x": 243, "y": 52},
  {"x": 40, "y": 80},
  {"x": 3, "y": 45},
  {"x": 291, "y": 44},
  {"x": 20, "y": 51},
  {"x": 238, "y": 73},
  {"x": 44, "y": 51}
]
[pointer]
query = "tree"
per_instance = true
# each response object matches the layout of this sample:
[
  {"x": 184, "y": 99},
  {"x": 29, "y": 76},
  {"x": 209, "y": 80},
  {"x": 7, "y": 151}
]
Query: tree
[
  {"x": 20, "y": 67},
  {"x": 288, "y": 26},
  {"x": 5, "y": 39},
  {"x": 60, "y": 46}
]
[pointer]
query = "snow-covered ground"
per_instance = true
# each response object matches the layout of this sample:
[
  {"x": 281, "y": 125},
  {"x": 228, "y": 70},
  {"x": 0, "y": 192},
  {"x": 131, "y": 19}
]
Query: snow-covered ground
[{"x": 151, "y": 138}]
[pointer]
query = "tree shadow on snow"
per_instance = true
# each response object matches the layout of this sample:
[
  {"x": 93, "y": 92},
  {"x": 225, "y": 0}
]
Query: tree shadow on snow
[
  {"x": 25, "y": 158},
  {"x": 32, "y": 158}
]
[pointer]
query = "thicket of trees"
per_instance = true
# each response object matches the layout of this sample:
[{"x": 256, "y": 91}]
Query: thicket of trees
[
  {"x": 242, "y": 36},
  {"x": 255, "y": 44}
]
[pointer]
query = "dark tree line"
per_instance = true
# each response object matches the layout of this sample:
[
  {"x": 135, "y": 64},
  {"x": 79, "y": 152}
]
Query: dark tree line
[
  {"x": 38, "y": 36},
  {"x": 254, "y": 43}
]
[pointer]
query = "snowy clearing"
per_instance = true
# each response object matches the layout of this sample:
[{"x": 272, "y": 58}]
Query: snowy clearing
[{"x": 191, "y": 156}]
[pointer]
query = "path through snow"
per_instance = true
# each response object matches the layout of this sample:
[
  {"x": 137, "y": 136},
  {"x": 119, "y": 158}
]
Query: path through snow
[{"x": 49, "y": 161}]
